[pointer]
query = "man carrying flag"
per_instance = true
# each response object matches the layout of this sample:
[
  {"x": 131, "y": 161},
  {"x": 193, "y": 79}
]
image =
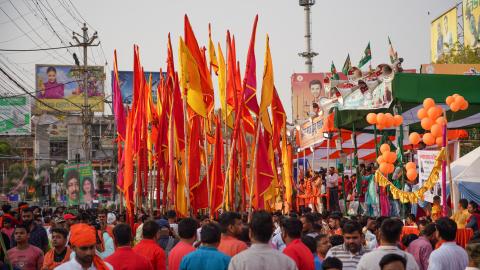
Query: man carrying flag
[{"x": 366, "y": 57}]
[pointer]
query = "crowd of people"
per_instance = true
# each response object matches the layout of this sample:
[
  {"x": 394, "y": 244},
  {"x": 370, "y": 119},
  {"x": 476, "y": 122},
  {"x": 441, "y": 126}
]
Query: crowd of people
[{"x": 41, "y": 239}]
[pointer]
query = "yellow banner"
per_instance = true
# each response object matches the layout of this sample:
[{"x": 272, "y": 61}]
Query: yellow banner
[
  {"x": 443, "y": 33},
  {"x": 71, "y": 104},
  {"x": 471, "y": 23}
]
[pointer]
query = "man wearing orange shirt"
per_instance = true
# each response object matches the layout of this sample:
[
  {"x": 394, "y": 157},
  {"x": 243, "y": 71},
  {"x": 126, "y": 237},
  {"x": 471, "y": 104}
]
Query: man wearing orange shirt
[
  {"x": 148, "y": 246},
  {"x": 187, "y": 229},
  {"x": 231, "y": 226},
  {"x": 60, "y": 252}
]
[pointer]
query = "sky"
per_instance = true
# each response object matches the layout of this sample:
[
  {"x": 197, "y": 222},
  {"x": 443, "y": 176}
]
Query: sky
[{"x": 338, "y": 27}]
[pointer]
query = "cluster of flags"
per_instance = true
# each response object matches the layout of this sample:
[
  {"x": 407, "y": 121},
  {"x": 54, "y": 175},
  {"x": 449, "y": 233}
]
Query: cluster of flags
[
  {"x": 193, "y": 156},
  {"x": 367, "y": 57}
]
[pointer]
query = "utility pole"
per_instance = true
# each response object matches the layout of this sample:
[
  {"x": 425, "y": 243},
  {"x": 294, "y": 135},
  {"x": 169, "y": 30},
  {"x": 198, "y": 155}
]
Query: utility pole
[
  {"x": 86, "y": 111},
  {"x": 308, "y": 54}
]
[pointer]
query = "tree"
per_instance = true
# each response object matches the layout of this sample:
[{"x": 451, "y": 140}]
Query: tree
[{"x": 460, "y": 54}]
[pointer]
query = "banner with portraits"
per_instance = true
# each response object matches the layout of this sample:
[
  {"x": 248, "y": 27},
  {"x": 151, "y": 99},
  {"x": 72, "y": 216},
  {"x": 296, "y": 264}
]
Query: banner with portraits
[{"x": 79, "y": 184}]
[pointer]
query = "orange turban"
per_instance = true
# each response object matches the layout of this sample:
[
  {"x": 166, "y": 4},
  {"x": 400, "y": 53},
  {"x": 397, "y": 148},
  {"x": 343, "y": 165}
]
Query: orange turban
[
  {"x": 82, "y": 235},
  {"x": 85, "y": 235}
]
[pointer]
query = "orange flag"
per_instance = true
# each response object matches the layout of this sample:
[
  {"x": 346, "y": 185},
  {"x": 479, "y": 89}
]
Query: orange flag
[
  {"x": 264, "y": 173},
  {"x": 216, "y": 174},
  {"x": 267, "y": 89}
]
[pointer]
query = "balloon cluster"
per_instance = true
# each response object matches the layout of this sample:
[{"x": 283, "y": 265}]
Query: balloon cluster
[
  {"x": 384, "y": 120},
  {"x": 411, "y": 168},
  {"x": 431, "y": 119},
  {"x": 456, "y": 103},
  {"x": 386, "y": 160}
]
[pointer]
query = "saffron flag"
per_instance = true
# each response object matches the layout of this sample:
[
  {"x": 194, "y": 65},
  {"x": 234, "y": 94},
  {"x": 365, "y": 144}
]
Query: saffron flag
[
  {"x": 264, "y": 173},
  {"x": 267, "y": 89},
  {"x": 216, "y": 174},
  {"x": 118, "y": 109},
  {"x": 279, "y": 119},
  {"x": 211, "y": 52}
]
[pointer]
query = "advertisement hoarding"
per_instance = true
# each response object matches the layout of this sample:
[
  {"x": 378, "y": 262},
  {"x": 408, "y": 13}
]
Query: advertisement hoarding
[
  {"x": 125, "y": 79},
  {"x": 471, "y": 23},
  {"x": 15, "y": 116},
  {"x": 443, "y": 33},
  {"x": 79, "y": 184},
  {"x": 308, "y": 88},
  {"x": 452, "y": 69},
  {"x": 60, "y": 87},
  {"x": 426, "y": 160}
]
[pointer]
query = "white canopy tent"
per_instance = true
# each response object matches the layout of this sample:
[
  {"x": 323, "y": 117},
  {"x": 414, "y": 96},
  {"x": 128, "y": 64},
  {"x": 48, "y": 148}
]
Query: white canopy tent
[{"x": 466, "y": 177}]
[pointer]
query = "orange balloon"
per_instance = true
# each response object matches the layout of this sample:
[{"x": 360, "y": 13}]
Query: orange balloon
[
  {"x": 436, "y": 130},
  {"x": 441, "y": 121},
  {"x": 389, "y": 120},
  {"x": 422, "y": 113},
  {"x": 386, "y": 157},
  {"x": 439, "y": 141},
  {"x": 434, "y": 112},
  {"x": 464, "y": 106},
  {"x": 372, "y": 118},
  {"x": 392, "y": 157},
  {"x": 449, "y": 100},
  {"x": 459, "y": 99},
  {"x": 380, "y": 160},
  {"x": 390, "y": 168},
  {"x": 426, "y": 123},
  {"x": 428, "y": 103},
  {"x": 384, "y": 148},
  {"x": 455, "y": 107},
  {"x": 412, "y": 174},
  {"x": 383, "y": 168},
  {"x": 455, "y": 95},
  {"x": 380, "y": 127},
  {"x": 397, "y": 120},
  {"x": 414, "y": 138},
  {"x": 411, "y": 165},
  {"x": 428, "y": 139},
  {"x": 381, "y": 119}
]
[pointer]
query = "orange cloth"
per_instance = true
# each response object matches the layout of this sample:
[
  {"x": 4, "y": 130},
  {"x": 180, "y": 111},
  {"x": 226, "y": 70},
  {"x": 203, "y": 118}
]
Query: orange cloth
[
  {"x": 463, "y": 236},
  {"x": 84, "y": 235},
  {"x": 50, "y": 264},
  {"x": 409, "y": 230},
  {"x": 177, "y": 253},
  {"x": 231, "y": 246}
]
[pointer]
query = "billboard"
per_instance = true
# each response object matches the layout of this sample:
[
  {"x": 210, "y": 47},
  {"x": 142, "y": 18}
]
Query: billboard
[
  {"x": 452, "y": 69},
  {"x": 79, "y": 184},
  {"x": 15, "y": 116},
  {"x": 471, "y": 23},
  {"x": 60, "y": 87},
  {"x": 443, "y": 32},
  {"x": 308, "y": 88},
  {"x": 426, "y": 160},
  {"x": 125, "y": 79}
]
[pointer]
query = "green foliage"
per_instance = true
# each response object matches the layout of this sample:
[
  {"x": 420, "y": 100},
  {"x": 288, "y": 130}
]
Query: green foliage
[
  {"x": 459, "y": 54},
  {"x": 5, "y": 148}
]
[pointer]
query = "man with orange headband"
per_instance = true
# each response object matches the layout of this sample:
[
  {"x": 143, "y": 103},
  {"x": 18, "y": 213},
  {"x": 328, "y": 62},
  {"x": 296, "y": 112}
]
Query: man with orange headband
[{"x": 83, "y": 241}]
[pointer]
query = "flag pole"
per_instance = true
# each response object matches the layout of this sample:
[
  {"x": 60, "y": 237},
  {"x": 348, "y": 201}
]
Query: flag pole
[{"x": 254, "y": 167}]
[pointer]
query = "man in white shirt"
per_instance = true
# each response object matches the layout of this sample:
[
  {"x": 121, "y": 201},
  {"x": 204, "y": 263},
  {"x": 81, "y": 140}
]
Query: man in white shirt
[
  {"x": 332, "y": 186},
  {"x": 261, "y": 255},
  {"x": 389, "y": 236},
  {"x": 449, "y": 256}
]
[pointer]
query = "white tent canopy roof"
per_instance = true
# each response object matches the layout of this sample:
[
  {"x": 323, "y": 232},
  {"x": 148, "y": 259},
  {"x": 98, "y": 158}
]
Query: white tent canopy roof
[{"x": 467, "y": 168}]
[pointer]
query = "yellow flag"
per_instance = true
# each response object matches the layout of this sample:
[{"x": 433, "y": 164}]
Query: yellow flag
[
  {"x": 190, "y": 80},
  {"x": 222, "y": 82},
  {"x": 287, "y": 170},
  {"x": 211, "y": 52},
  {"x": 149, "y": 106},
  {"x": 267, "y": 89}
]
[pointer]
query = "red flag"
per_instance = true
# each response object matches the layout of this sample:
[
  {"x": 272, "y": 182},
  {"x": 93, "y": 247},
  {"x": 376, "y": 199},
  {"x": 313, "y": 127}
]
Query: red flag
[
  {"x": 118, "y": 109},
  {"x": 279, "y": 119},
  {"x": 216, "y": 174},
  {"x": 250, "y": 79},
  {"x": 263, "y": 170},
  {"x": 194, "y": 159}
]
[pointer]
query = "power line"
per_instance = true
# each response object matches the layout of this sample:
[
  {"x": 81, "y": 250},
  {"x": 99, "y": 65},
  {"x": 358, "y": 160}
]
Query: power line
[{"x": 39, "y": 49}]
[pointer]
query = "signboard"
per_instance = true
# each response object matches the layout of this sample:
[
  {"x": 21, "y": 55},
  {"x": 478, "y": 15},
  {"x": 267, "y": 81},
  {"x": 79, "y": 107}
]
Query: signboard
[
  {"x": 58, "y": 131},
  {"x": 311, "y": 132},
  {"x": 426, "y": 160},
  {"x": 443, "y": 33},
  {"x": 79, "y": 184},
  {"x": 452, "y": 69},
  {"x": 307, "y": 88},
  {"x": 61, "y": 88},
  {"x": 125, "y": 79},
  {"x": 471, "y": 23},
  {"x": 15, "y": 116}
]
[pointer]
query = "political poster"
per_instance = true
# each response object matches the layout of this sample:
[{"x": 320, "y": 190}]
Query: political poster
[
  {"x": 79, "y": 184},
  {"x": 426, "y": 161},
  {"x": 15, "y": 116},
  {"x": 443, "y": 33},
  {"x": 62, "y": 88},
  {"x": 471, "y": 23},
  {"x": 125, "y": 79},
  {"x": 308, "y": 88},
  {"x": 452, "y": 69}
]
